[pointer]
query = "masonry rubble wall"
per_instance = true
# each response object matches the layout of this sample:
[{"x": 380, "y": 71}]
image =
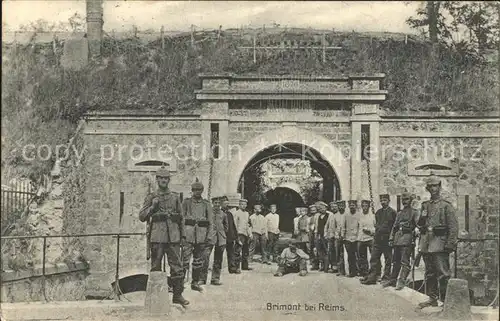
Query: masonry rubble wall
[{"x": 475, "y": 144}]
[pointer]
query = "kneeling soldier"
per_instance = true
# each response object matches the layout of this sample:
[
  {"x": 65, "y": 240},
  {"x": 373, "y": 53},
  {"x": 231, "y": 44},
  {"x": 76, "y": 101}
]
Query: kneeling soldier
[
  {"x": 401, "y": 239},
  {"x": 163, "y": 212},
  {"x": 292, "y": 260},
  {"x": 198, "y": 220}
]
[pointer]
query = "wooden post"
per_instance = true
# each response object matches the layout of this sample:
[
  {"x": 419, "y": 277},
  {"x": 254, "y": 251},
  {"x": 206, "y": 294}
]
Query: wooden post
[
  {"x": 192, "y": 36},
  {"x": 467, "y": 212},
  {"x": 398, "y": 206},
  {"x": 254, "y": 51},
  {"x": 162, "y": 35},
  {"x": 324, "y": 47}
]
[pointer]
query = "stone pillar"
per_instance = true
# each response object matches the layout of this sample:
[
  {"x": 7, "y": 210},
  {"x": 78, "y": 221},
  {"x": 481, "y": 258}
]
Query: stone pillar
[
  {"x": 157, "y": 300},
  {"x": 365, "y": 114},
  {"x": 94, "y": 27},
  {"x": 457, "y": 301},
  {"x": 215, "y": 113}
]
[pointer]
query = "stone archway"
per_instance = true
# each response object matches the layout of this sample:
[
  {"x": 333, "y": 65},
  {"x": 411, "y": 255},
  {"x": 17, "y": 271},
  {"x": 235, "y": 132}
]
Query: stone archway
[{"x": 291, "y": 134}]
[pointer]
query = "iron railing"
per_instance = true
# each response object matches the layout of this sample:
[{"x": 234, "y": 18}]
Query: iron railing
[{"x": 116, "y": 290}]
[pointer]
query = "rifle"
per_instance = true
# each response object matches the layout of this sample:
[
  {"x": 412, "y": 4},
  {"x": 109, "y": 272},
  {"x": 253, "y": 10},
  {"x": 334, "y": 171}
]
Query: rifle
[{"x": 148, "y": 239}]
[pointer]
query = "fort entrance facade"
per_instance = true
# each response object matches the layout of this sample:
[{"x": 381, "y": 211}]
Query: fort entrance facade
[{"x": 319, "y": 126}]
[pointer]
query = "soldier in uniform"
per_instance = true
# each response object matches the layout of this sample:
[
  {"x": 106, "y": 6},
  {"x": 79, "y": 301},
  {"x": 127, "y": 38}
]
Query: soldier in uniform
[
  {"x": 259, "y": 233},
  {"x": 292, "y": 260},
  {"x": 401, "y": 239},
  {"x": 242, "y": 247},
  {"x": 217, "y": 240},
  {"x": 340, "y": 236},
  {"x": 163, "y": 211},
  {"x": 365, "y": 237},
  {"x": 313, "y": 212},
  {"x": 331, "y": 235},
  {"x": 303, "y": 230},
  {"x": 231, "y": 237},
  {"x": 438, "y": 227},
  {"x": 198, "y": 221},
  {"x": 351, "y": 238},
  {"x": 384, "y": 221},
  {"x": 321, "y": 240}
]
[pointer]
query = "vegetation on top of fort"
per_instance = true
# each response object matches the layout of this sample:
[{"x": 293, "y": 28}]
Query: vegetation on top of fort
[{"x": 42, "y": 102}]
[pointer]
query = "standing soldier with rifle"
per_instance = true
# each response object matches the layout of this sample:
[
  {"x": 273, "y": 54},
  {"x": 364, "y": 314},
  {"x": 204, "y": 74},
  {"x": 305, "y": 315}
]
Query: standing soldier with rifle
[
  {"x": 402, "y": 241},
  {"x": 198, "y": 221},
  {"x": 163, "y": 211},
  {"x": 438, "y": 227}
]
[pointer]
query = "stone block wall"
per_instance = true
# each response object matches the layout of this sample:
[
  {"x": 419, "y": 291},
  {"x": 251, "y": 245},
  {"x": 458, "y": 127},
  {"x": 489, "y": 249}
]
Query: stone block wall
[
  {"x": 476, "y": 145},
  {"x": 109, "y": 175}
]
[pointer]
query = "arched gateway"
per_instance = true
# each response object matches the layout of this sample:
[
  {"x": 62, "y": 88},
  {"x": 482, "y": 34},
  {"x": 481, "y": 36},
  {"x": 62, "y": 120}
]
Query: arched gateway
[{"x": 291, "y": 134}]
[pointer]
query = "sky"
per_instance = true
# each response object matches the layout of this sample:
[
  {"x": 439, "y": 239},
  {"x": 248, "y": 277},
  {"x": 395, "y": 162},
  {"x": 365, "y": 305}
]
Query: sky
[{"x": 180, "y": 15}]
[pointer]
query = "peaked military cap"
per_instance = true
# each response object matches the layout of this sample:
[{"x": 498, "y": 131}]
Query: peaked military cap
[
  {"x": 243, "y": 200},
  {"x": 365, "y": 202},
  {"x": 216, "y": 198},
  {"x": 224, "y": 198},
  {"x": 162, "y": 172},
  {"x": 385, "y": 196},
  {"x": 312, "y": 205},
  {"x": 433, "y": 180},
  {"x": 197, "y": 185},
  {"x": 321, "y": 203},
  {"x": 353, "y": 202},
  {"x": 341, "y": 203},
  {"x": 406, "y": 195}
]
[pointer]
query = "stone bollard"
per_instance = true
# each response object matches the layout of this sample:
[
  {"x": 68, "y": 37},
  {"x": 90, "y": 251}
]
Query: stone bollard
[
  {"x": 157, "y": 298},
  {"x": 457, "y": 301}
]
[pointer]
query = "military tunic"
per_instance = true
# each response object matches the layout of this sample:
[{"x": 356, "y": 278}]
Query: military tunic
[
  {"x": 242, "y": 248},
  {"x": 402, "y": 239},
  {"x": 165, "y": 234},
  {"x": 438, "y": 238},
  {"x": 198, "y": 221},
  {"x": 218, "y": 240}
]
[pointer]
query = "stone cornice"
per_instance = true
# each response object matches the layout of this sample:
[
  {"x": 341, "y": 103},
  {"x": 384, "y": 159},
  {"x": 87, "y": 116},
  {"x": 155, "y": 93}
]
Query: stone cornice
[{"x": 227, "y": 95}]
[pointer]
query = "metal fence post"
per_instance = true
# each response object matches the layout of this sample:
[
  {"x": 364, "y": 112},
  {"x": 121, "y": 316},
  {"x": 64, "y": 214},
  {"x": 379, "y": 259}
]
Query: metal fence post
[{"x": 43, "y": 268}]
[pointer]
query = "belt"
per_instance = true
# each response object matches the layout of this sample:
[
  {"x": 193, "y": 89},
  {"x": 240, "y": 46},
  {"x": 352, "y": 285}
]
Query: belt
[{"x": 192, "y": 222}]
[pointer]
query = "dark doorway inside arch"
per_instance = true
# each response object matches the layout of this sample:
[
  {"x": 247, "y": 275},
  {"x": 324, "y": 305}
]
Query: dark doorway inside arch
[
  {"x": 286, "y": 200},
  {"x": 252, "y": 188}
]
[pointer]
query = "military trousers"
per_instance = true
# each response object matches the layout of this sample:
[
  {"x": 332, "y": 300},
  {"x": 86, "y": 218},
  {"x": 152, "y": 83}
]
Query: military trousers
[
  {"x": 197, "y": 251},
  {"x": 363, "y": 248},
  {"x": 332, "y": 253},
  {"x": 217, "y": 264},
  {"x": 230, "y": 254},
  {"x": 380, "y": 248},
  {"x": 272, "y": 239},
  {"x": 259, "y": 241},
  {"x": 351, "y": 249},
  {"x": 437, "y": 273},
  {"x": 401, "y": 259},
  {"x": 173, "y": 252},
  {"x": 339, "y": 252},
  {"x": 241, "y": 252},
  {"x": 292, "y": 267},
  {"x": 322, "y": 251},
  {"x": 312, "y": 247}
]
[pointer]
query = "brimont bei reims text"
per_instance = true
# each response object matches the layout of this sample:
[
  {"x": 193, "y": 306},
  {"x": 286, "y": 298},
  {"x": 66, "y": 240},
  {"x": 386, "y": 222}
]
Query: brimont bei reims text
[{"x": 304, "y": 307}]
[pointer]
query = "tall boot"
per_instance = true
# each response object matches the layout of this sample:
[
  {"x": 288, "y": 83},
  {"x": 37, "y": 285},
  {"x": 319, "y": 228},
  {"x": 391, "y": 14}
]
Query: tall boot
[
  {"x": 403, "y": 274},
  {"x": 195, "y": 284},
  {"x": 178, "y": 288}
]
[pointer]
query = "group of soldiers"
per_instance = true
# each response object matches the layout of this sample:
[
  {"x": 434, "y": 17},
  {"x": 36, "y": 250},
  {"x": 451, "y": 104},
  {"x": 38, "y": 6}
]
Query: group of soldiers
[
  {"x": 192, "y": 229},
  {"x": 325, "y": 233}
]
